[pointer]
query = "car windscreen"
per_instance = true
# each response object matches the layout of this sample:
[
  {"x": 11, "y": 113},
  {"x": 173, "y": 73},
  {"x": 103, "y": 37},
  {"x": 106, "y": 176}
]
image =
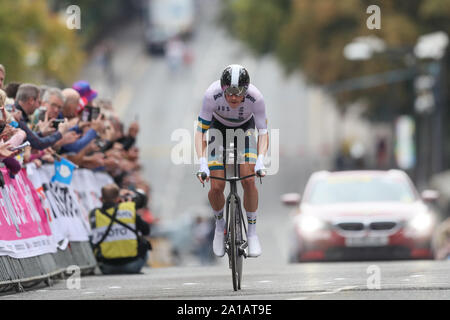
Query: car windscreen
[{"x": 360, "y": 189}]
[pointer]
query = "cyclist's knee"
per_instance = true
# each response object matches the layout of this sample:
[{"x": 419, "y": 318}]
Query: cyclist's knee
[
  {"x": 218, "y": 187},
  {"x": 248, "y": 183}
]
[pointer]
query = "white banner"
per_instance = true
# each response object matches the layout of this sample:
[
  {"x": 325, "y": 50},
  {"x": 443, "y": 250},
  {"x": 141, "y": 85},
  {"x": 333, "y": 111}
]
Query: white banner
[{"x": 69, "y": 205}]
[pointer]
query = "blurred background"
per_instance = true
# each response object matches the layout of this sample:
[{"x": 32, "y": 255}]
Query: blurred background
[{"x": 343, "y": 94}]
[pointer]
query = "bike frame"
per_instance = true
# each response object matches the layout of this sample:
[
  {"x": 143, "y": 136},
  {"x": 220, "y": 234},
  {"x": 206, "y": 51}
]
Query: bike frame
[
  {"x": 234, "y": 218},
  {"x": 236, "y": 241}
]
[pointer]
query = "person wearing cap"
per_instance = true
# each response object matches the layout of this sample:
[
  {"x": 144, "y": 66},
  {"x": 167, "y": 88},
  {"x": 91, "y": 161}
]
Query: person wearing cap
[
  {"x": 87, "y": 95},
  {"x": 74, "y": 96}
]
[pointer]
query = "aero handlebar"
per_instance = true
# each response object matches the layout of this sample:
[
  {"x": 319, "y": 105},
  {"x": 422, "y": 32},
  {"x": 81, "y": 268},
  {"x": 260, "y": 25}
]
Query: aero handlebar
[{"x": 258, "y": 173}]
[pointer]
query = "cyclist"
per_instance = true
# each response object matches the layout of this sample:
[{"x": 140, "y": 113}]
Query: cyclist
[{"x": 233, "y": 103}]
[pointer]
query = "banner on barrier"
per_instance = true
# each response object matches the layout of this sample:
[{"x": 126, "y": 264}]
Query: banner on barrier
[
  {"x": 69, "y": 205},
  {"x": 24, "y": 227}
]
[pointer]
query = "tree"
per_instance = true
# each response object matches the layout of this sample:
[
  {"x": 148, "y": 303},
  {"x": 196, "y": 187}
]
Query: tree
[
  {"x": 310, "y": 35},
  {"x": 36, "y": 44}
]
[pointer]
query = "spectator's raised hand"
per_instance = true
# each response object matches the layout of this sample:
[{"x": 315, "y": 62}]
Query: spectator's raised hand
[
  {"x": 98, "y": 159},
  {"x": 16, "y": 114},
  {"x": 69, "y": 137},
  {"x": 73, "y": 122},
  {"x": 5, "y": 152},
  {"x": 64, "y": 127},
  {"x": 134, "y": 129},
  {"x": 97, "y": 124},
  {"x": 46, "y": 126}
]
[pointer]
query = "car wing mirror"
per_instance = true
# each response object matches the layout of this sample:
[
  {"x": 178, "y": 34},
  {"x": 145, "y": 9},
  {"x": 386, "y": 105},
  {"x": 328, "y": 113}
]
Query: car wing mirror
[
  {"x": 430, "y": 195},
  {"x": 291, "y": 199}
]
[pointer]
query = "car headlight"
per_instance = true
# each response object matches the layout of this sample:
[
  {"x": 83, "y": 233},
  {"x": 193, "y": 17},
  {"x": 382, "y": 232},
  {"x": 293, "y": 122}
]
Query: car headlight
[
  {"x": 422, "y": 222},
  {"x": 310, "y": 224}
]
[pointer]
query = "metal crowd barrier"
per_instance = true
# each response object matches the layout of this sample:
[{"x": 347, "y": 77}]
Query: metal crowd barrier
[{"x": 21, "y": 274}]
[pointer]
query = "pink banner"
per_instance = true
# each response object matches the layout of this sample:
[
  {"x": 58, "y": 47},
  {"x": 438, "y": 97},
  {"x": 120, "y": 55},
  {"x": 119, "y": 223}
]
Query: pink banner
[{"x": 24, "y": 228}]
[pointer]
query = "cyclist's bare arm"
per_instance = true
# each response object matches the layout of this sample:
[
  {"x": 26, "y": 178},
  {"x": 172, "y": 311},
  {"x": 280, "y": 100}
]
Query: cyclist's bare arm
[
  {"x": 263, "y": 144},
  {"x": 200, "y": 148}
]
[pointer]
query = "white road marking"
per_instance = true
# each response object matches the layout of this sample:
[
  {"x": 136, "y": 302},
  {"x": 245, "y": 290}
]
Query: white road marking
[
  {"x": 337, "y": 290},
  {"x": 264, "y": 281}
]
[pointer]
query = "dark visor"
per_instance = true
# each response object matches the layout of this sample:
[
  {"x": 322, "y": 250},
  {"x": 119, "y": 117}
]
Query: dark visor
[{"x": 235, "y": 91}]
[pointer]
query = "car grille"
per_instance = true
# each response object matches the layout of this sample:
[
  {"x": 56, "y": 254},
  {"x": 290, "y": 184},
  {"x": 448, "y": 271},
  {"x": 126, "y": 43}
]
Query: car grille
[
  {"x": 372, "y": 226},
  {"x": 382, "y": 225},
  {"x": 351, "y": 226}
]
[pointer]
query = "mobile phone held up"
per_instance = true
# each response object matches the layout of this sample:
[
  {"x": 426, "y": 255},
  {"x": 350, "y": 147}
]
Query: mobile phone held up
[
  {"x": 20, "y": 147},
  {"x": 42, "y": 111},
  {"x": 90, "y": 113}
]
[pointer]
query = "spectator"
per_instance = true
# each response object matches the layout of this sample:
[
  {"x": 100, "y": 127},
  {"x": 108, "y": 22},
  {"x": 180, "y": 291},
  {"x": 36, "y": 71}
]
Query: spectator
[
  {"x": 8, "y": 133},
  {"x": 441, "y": 241},
  {"x": 13, "y": 136},
  {"x": 130, "y": 139},
  {"x": 87, "y": 95},
  {"x": 2, "y": 76},
  {"x": 130, "y": 253},
  {"x": 51, "y": 109},
  {"x": 70, "y": 111},
  {"x": 27, "y": 102},
  {"x": 11, "y": 89}
]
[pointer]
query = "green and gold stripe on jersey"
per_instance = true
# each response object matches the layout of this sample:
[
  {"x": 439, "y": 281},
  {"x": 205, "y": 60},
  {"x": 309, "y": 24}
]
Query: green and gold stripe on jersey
[{"x": 203, "y": 125}]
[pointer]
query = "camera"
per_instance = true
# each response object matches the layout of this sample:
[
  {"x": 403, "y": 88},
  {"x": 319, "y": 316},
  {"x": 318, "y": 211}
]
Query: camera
[
  {"x": 137, "y": 196},
  {"x": 140, "y": 198},
  {"x": 56, "y": 122}
]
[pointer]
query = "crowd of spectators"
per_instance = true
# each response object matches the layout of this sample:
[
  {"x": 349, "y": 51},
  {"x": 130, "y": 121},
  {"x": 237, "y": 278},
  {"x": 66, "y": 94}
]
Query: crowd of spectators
[{"x": 73, "y": 123}]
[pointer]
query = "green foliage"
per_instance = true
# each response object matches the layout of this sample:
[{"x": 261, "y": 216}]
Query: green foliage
[
  {"x": 310, "y": 35},
  {"x": 98, "y": 17},
  {"x": 36, "y": 46}
]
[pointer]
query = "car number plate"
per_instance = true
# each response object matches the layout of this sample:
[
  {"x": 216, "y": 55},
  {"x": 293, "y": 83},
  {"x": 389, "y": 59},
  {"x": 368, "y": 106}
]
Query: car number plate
[{"x": 366, "y": 241}]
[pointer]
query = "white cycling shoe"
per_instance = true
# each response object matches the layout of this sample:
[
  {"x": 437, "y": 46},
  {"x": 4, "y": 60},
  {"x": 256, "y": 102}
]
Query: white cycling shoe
[
  {"x": 219, "y": 243},
  {"x": 254, "y": 247}
]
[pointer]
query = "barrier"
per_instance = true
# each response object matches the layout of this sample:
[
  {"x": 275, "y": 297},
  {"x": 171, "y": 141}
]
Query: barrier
[{"x": 44, "y": 226}]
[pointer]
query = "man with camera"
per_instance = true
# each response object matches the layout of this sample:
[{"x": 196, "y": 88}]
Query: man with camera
[
  {"x": 69, "y": 110},
  {"x": 27, "y": 101},
  {"x": 118, "y": 232},
  {"x": 48, "y": 117}
]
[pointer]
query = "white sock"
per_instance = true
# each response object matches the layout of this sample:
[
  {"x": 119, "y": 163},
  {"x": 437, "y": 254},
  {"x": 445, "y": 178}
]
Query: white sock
[
  {"x": 251, "y": 219},
  {"x": 220, "y": 221}
]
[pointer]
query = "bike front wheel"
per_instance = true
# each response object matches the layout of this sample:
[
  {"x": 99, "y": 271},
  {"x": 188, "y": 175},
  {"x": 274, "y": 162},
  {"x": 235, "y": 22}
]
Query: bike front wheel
[{"x": 235, "y": 243}]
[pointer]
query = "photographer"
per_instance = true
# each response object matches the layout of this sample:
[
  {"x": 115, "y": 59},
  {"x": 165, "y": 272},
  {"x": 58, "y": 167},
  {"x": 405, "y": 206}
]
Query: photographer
[{"x": 118, "y": 232}]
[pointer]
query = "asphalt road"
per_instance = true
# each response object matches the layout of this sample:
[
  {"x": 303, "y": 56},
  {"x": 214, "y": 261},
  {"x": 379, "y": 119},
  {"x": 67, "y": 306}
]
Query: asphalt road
[
  {"x": 166, "y": 103},
  {"x": 417, "y": 280}
]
